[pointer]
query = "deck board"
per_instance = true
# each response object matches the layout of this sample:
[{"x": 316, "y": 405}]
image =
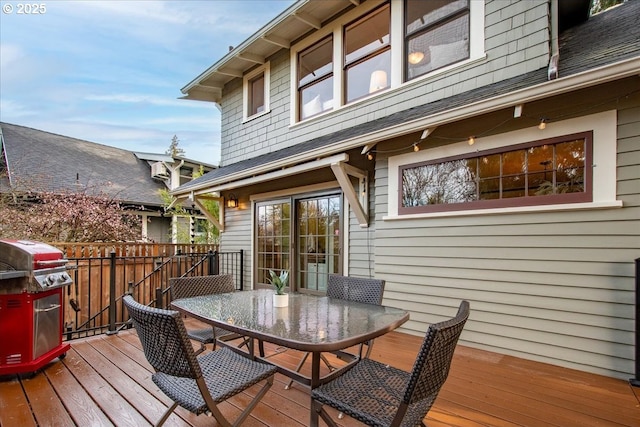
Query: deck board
[{"x": 106, "y": 380}]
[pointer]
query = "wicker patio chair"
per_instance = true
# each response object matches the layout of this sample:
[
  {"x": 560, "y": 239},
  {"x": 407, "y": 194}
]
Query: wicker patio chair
[
  {"x": 380, "y": 395},
  {"x": 197, "y": 383},
  {"x": 365, "y": 290},
  {"x": 186, "y": 287}
]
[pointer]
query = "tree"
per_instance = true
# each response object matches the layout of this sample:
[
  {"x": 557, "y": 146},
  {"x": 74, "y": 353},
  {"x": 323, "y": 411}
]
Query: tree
[
  {"x": 67, "y": 217},
  {"x": 173, "y": 149},
  {"x": 209, "y": 234},
  {"x": 600, "y": 5}
]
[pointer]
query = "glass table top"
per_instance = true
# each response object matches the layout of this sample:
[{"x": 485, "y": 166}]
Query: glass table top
[{"x": 309, "y": 322}]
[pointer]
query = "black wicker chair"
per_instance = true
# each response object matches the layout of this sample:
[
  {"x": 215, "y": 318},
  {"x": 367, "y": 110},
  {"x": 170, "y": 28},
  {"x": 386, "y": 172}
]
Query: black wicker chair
[
  {"x": 380, "y": 395},
  {"x": 186, "y": 287},
  {"x": 197, "y": 384},
  {"x": 365, "y": 290}
]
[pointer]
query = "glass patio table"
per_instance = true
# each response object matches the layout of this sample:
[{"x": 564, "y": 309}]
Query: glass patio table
[{"x": 310, "y": 323}]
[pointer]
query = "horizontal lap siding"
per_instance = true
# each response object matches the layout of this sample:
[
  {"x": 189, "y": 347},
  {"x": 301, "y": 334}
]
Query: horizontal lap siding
[{"x": 555, "y": 287}]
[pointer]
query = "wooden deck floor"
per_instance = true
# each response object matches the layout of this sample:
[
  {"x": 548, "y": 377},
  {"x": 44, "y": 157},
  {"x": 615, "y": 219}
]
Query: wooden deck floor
[{"x": 105, "y": 380}]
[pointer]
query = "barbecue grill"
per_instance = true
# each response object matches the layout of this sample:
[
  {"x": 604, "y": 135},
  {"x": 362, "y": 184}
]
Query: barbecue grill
[{"x": 32, "y": 276}]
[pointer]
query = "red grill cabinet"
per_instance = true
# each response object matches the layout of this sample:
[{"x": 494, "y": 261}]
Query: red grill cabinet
[
  {"x": 31, "y": 326},
  {"x": 32, "y": 276}
]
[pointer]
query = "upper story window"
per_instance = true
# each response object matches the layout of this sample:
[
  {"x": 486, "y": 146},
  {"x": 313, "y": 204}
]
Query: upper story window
[
  {"x": 256, "y": 92},
  {"x": 544, "y": 172},
  {"x": 315, "y": 78},
  {"x": 381, "y": 45},
  {"x": 367, "y": 54},
  {"x": 436, "y": 34}
]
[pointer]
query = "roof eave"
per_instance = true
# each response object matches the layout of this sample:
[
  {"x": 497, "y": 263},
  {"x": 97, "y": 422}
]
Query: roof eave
[{"x": 235, "y": 52}]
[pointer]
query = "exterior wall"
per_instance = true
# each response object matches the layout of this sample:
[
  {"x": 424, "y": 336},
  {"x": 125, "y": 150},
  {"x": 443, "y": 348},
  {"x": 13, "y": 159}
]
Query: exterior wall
[
  {"x": 556, "y": 287},
  {"x": 238, "y": 237},
  {"x": 361, "y": 242},
  {"x": 516, "y": 42}
]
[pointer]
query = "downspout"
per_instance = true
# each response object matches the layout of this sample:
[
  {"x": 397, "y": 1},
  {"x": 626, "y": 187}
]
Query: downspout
[{"x": 552, "y": 71}]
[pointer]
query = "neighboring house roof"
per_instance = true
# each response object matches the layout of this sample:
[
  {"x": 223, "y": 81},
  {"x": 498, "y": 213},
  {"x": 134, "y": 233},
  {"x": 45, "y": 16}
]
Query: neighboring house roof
[
  {"x": 43, "y": 161},
  {"x": 607, "y": 38}
]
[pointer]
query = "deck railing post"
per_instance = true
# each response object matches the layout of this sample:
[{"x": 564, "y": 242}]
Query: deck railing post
[
  {"x": 636, "y": 380},
  {"x": 159, "y": 298},
  {"x": 213, "y": 268},
  {"x": 112, "y": 294},
  {"x": 242, "y": 269}
]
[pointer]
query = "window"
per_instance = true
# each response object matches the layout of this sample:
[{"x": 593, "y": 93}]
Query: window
[
  {"x": 367, "y": 54},
  {"x": 315, "y": 79},
  {"x": 543, "y": 172},
  {"x": 256, "y": 95},
  {"x": 256, "y": 92},
  {"x": 436, "y": 34}
]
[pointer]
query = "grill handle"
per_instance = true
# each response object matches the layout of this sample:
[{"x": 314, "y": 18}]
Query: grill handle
[
  {"x": 48, "y": 263},
  {"x": 48, "y": 309}
]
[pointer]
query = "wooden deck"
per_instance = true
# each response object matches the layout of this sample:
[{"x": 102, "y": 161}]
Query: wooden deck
[{"x": 105, "y": 380}]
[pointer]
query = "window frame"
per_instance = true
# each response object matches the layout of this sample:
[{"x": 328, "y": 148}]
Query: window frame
[
  {"x": 603, "y": 125},
  {"x": 376, "y": 53},
  {"x": 247, "y": 79},
  {"x": 585, "y": 196},
  {"x": 318, "y": 80},
  {"x": 434, "y": 26}
]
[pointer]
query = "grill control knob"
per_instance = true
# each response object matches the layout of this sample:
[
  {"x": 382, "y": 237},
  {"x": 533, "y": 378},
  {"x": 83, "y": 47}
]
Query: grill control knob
[{"x": 50, "y": 279}]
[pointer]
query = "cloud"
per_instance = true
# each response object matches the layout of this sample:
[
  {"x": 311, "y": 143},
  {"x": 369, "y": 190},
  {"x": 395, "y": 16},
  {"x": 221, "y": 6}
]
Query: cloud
[
  {"x": 111, "y": 71},
  {"x": 142, "y": 99}
]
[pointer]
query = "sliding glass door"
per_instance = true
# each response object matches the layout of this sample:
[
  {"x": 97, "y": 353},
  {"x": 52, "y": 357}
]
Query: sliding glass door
[
  {"x": 313, "y": 226},
  {"x": 318, "y": 241}
]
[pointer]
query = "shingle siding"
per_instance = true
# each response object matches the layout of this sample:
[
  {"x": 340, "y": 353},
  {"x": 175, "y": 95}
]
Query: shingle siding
[{"x": 524, "y": 21}]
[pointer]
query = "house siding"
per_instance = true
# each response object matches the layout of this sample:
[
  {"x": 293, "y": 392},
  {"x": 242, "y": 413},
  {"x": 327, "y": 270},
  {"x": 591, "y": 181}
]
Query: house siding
[
  {"x": 556, "y": 287},
  {"x": 516, "y": 42}
]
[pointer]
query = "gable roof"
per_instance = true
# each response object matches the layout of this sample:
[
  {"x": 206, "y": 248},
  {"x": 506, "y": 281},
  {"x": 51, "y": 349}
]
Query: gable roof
[
  {"x": 596, "y": 46},
  {"x": 43, "y": 161}
]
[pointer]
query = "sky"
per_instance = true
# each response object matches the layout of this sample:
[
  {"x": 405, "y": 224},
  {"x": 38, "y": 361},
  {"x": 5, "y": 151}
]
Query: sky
[{"x": 110, "y": 72}]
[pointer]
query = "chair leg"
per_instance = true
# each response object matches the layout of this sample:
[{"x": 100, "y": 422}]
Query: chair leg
[
  {"x": 318, "y": 409},
  {"x": 201, "y": 349},
  {"x": 254, "y": 402},
  {"x": 168, "y": 412}
]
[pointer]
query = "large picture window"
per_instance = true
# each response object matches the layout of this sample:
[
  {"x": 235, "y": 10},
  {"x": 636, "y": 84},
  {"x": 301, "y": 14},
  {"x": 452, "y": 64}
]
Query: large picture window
[
  {"x": 436, "y": 34},
  {"x": 367, "y": 54},
  {"x": 315, "y": 79},
  {"x": 543, "y": 172}
]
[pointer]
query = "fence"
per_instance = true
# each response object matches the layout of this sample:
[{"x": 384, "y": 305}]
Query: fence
[{"x": 93, "y": 303}]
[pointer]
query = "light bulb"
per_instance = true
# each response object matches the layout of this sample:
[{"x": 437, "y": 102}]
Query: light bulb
[
  {"x": 543, "y": 124},
  {"x": 369, "y": 156},
  {"x": 416, "y": 147},
  {"x": 472, "y": 140}
]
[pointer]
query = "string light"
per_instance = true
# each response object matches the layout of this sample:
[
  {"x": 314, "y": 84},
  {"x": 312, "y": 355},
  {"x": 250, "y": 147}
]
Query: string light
[{"x": 543, "y": 124}]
